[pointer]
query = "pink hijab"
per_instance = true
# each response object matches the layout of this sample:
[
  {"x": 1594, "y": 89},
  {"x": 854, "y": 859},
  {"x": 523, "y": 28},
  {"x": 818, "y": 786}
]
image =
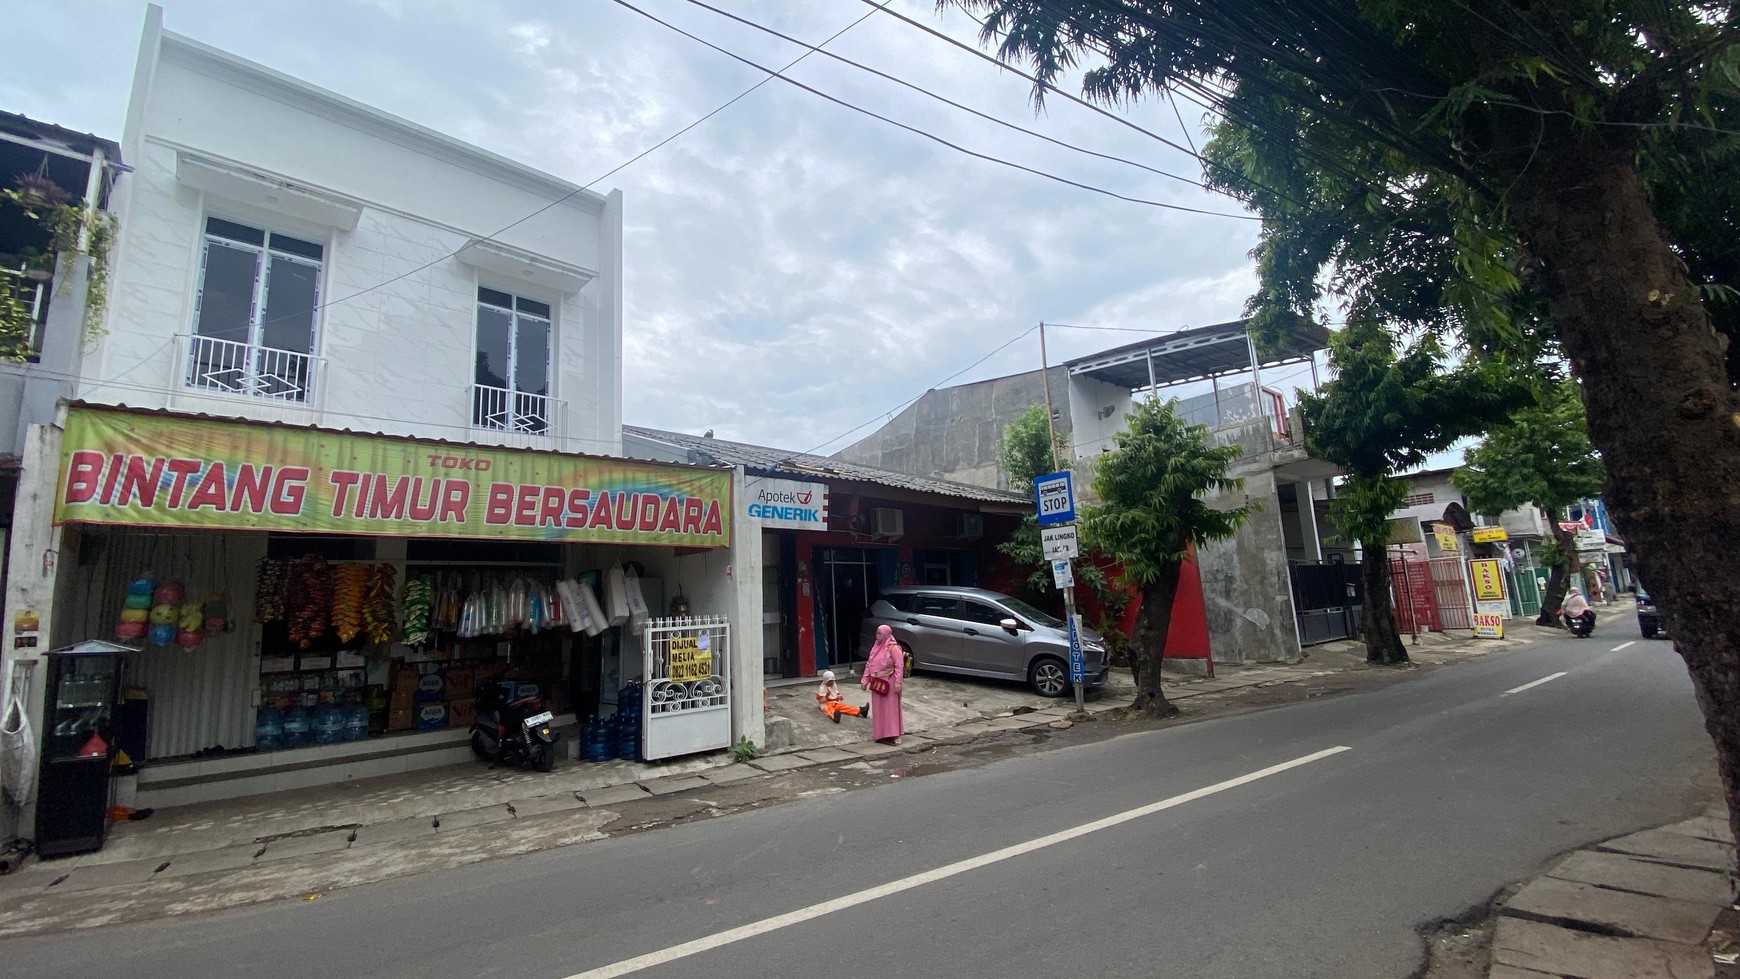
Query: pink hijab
[{"x": 885, "y": 659}]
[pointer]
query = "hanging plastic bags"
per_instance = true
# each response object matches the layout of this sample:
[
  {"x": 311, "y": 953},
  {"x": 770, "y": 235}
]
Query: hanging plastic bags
[
  {"x": 615, "y": 597},
  {"x": 637, "y": 610},
  {"x": 17, "y": 753}
]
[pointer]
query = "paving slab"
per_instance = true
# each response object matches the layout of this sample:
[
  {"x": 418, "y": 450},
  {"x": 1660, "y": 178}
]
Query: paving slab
[
  {"x": 780, "y": 763},
  {"x": 1020, "y": 723},
  {"x": 613, "y": 794},
  {"x": 1686, "y": 922},
  {"x": 1704, "y": 827},
  {"x": 210, "y": 861},
  {"x": 302, "y": 846},
  {"x": 1644, "y": 877},
  {"x": 110, "y": 874},
  {"x": 467, "y": 818},
  {"x": 827, "y": 755},
  {"x": 1559, "y": 951},
  {"x": 1511, "y": 972},
  {"x": 675, "y": 784},
  {"x": 1053, "y": 712},
  {"x": 395, "y": 831},
  {"x": 731, "y": 773},
  {"x": 872, "y": 749},
  {"x": 1670, "y": 847},
  {"x": 539, "y": 805}
]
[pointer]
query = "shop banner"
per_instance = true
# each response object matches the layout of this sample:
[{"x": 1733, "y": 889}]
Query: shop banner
[
  {"x": 787, "y": 503},
  {"x": 122, "y": 467},
  {"x": 1487, "y": 535},
  {"x": 1446, "y": 535}
]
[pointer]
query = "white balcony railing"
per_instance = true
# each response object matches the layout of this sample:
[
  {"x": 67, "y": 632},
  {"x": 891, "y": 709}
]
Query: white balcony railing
[
  {"x": 250, "y": 370},
  {"x": 501, "y": 410}
]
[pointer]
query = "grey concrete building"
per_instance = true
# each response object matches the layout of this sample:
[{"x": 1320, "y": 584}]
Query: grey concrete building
[{"x": 1266, "y": 591}]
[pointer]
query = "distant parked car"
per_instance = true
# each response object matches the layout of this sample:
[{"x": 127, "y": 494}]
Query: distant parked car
[
  {"x": 1648, "y": 616},
  {"x": 974, "y": 632}
]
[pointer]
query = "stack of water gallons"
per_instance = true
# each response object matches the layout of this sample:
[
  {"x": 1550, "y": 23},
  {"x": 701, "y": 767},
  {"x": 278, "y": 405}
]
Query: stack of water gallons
[
  {"x": 269, "y": 729},
  {"x": 627, "y": 722},
  {"x": 594, "y": 740}
]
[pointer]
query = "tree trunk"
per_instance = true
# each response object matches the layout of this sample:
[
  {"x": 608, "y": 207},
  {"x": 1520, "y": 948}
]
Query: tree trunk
[
  {"x": 1377, "y": 620},
  {"x": 1661, "y": 407},
  {"x": 1148, "y": 644},
  {"x": 1559, "y": 577}
]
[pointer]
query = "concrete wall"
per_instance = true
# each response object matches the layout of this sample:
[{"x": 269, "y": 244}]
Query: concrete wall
[
  {"x": 1246, "y": 584},
  {"x": 399, "y": 355},
  {"x": 957, "y": 432}
]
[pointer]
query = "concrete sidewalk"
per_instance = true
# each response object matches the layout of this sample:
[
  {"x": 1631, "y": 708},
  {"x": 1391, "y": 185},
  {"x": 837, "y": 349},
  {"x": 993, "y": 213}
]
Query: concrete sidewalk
[
  {"x": 221, "y": 854},
  {"x": 1639, "y": 907}
]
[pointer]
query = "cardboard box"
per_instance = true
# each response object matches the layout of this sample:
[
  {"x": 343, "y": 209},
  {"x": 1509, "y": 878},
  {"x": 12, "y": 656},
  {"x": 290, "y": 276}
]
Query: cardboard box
[
  {"x": 460, "y": 683},
  {"x": 402, "y": 700},
  {"x": 460, "y": 713},
  {"x": 431, "y": 717},
  {"x": 401, "y": 720},
  {"x": 431, "y": 688},
  {"x": 405, "y": 680}
]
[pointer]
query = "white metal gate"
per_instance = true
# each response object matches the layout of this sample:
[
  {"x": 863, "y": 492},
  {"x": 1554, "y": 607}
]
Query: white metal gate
[{"x": 687, "y": 697}]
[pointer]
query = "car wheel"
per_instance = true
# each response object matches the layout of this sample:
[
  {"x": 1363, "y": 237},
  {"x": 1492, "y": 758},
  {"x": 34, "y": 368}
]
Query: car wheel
[{"x": 1049, "y": 677}]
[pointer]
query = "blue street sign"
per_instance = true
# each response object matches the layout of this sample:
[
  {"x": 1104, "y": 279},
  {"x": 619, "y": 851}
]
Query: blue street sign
[
  {"x": 1077, "y": 662},
  {"x": 1054, "y": 494}
]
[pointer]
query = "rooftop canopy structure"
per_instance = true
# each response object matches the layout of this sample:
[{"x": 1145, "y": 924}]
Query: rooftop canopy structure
[{"x": 1201, "y": 354}]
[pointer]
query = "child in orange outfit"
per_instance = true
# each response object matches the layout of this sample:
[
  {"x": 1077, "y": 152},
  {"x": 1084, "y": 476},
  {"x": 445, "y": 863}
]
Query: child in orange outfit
[{"x": 833, "y": 702}]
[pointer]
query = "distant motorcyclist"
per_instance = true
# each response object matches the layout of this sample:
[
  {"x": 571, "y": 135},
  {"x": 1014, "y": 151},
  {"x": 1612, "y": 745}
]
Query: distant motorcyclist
[{"x": 1579, "y": 617}]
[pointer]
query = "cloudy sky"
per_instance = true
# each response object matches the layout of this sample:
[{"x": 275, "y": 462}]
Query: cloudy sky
[{"x": 794, "y": 269}]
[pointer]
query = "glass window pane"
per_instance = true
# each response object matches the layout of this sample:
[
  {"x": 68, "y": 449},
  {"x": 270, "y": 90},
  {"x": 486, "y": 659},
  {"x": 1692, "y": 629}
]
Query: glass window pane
[
  {"x": 296, "y": 246},
  {"x": 495, "y": 298},
  {"x": 532, "y": 306},
  {"x": 226, "y": 294},
  {"x": 234, "y": 231},
  {"x": 531, "y": 355},
  {"x": 291, "y": 291},
  {"x": 492, "y": 346}
]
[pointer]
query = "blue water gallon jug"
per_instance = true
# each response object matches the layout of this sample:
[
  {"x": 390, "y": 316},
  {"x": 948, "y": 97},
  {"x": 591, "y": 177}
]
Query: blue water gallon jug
[
  {"x": 297, "y": 730},
  {"x": 268, "y": 730},
  {"x": 328, "y": 725},
  {"x": 356, "y": 722},
  {"x": 593, "y": 742}
]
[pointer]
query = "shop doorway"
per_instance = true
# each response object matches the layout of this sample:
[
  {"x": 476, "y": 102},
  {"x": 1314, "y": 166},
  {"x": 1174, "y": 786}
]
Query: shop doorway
[
  {"x": 778, "y": 602},
  {"x": 847, "y": 580}
]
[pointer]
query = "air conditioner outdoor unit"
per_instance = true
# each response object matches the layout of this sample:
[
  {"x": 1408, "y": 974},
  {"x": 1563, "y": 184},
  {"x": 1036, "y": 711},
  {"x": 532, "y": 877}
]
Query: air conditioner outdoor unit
[
  {"x": 888, "y": 522},
  {"x": 969, "y": 526}
]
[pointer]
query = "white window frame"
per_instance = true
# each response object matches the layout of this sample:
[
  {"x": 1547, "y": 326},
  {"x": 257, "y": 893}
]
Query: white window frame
[
  {"x": 511, "y": 378},
  {"x": 256, "y": 365},
  {"x": 262, "y": 276}
]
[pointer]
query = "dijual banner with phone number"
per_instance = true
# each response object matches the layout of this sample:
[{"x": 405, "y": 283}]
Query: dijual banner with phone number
[{"x": 121, "y": 467}]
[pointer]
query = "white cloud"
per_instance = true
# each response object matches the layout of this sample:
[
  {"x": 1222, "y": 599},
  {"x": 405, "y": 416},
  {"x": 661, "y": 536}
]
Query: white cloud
[{"x": 793, "y": 268}]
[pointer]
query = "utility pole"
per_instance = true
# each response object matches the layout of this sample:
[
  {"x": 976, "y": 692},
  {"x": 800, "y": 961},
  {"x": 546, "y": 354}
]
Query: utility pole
[{"x": 1065, "y": 576}]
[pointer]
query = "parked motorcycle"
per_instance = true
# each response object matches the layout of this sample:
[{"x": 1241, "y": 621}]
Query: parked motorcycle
[{"x": 512, "y": 730}]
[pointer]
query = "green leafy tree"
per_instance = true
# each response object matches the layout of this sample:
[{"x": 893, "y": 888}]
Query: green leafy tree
[
  {"x": 1447, "y": 157},
  {"x": 1151, "y": 489},
  {"x": 1384, "y": 414},
  {"x": 1541, "y": 457},
  {"x": 1029, "y": 450}
]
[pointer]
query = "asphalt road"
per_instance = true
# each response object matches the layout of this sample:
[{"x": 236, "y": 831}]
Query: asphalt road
[{"x": 1127, "y": 857}]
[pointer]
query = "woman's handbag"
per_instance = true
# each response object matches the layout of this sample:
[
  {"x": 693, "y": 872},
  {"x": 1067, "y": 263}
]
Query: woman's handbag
[{"x": 879, "y": 685}]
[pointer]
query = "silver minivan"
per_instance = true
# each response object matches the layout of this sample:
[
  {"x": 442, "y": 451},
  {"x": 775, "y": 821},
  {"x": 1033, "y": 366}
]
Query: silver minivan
[{"x": 974, "y": 632}]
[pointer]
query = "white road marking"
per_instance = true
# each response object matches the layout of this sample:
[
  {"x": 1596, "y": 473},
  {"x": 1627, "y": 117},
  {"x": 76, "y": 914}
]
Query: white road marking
[
  {"x": 1623, "y": 645},
  {"x": 801, "y": 915},
  {"x": 1535, "y": 683}
]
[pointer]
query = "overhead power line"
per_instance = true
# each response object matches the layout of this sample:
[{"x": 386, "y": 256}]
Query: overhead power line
[
  {"x": 643, "y": 154},
  {"x": 1193, "y": 181},
  {"x": 779, "y": 73}
]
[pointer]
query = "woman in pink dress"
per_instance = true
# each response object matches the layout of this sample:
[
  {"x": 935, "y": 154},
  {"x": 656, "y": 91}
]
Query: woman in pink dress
[{"x": 884, "y": 672}]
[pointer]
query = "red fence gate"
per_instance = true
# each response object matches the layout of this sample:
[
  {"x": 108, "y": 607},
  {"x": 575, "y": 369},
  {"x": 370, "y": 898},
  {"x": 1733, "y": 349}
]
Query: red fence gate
[
  {"x": 1411, "y": 596},
  {"x": 1450, "y": 592}
]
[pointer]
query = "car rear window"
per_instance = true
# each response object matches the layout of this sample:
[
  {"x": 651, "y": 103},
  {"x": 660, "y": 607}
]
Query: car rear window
[{"x": 901, "y": 603}]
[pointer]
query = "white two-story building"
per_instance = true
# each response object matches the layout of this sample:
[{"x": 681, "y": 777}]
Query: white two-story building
[{"x": 344, "y": 354}]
